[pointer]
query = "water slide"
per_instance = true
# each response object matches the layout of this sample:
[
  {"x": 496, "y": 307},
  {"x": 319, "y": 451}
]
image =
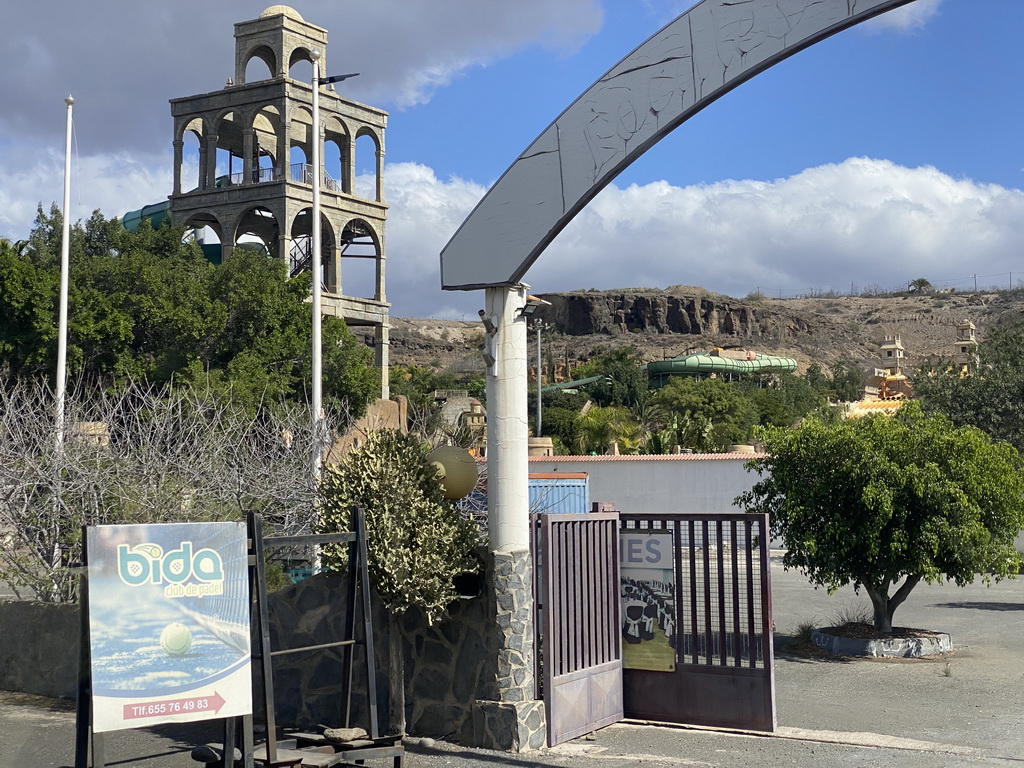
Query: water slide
[
  {"x": 698, "y": 364},
  {"x": 157, "y": 213},
  {"x": 690, "y": 365}
]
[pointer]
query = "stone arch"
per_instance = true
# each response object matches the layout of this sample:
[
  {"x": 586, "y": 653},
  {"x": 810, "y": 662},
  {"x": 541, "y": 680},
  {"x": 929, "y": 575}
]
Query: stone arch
[
  {"x": 267, "y": 141},
  {"x": 694, "y": 60},
  {"x": 265, "y": 54},
  {"x": 300, "y": 138},
  {"x": 361, "y": 262},
  {"x": 337, "y": 159},
  {"x": 298, "y": 54},
  {"x": 300, "y": 255},
  {"x": 367, "y": 142},
  {"x": 208, "y": 233},
  {"x": 229, "y": 129},
  {"x": 188, "y": 151},
  {"x": 259, "y": 222}
]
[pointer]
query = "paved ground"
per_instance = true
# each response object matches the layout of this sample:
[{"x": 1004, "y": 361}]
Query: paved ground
[{"x": 966, "y": 709}]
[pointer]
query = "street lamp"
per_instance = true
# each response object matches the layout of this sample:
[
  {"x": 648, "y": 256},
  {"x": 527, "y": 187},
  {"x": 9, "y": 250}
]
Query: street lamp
[
  {"x": 316, "y": 407},
  {"x": 62, "y": 322},
  {"x": 538, "y": 326}
]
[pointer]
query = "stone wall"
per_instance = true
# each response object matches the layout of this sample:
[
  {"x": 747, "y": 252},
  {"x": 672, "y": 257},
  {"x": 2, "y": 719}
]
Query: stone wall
[
  {"x": 452, "y": 677},
  {"x": 39, "y": 648}
]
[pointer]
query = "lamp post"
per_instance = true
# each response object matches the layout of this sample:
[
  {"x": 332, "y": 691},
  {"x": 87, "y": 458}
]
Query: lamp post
[
  {"x": 538, "y": 326},
  {"x": 316, "y": 406},
  {"x": 62, "y": 323}
]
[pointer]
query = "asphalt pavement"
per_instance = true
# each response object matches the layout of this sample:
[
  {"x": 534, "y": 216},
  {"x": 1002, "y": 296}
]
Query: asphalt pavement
[{"x": 961, "y": 709}]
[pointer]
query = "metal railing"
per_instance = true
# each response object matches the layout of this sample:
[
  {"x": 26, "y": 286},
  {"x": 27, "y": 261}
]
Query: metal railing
[{"x": 303, "y": 173}]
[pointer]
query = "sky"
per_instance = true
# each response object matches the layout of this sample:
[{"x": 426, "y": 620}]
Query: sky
[{"x": 890, "y": 152}]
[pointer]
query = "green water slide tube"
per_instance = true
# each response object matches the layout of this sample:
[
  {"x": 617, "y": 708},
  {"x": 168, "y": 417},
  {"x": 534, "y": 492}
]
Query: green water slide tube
[
  {"x": 692, "y": 365},
  {"x": 156, "y": 213}
]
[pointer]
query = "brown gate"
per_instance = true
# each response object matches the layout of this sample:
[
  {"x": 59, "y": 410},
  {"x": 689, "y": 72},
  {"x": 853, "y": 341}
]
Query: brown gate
[
  {"x": 578, "y": 609},
  {"x": 713, "y": 609}
]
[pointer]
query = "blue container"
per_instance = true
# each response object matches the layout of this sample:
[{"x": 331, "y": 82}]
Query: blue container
[{"x": 564, "y": 492}]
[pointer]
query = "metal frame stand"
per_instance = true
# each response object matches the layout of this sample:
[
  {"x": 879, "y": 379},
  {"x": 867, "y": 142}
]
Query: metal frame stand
[{"x": 310, "y": 749}]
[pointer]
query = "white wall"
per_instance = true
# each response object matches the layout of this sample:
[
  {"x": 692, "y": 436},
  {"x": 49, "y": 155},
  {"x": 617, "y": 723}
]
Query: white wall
[{"x": 696, "y": 483}]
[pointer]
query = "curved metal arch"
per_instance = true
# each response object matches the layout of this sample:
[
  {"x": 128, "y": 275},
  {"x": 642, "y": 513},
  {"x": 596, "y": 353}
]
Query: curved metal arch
[{"x": 700, "y": 56}]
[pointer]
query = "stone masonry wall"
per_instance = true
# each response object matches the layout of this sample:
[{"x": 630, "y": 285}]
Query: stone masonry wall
[{"x": 458, "y": 686}]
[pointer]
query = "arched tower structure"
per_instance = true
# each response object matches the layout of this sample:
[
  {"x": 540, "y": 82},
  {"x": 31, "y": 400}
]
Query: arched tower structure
[{"x": 254, "y": 179}]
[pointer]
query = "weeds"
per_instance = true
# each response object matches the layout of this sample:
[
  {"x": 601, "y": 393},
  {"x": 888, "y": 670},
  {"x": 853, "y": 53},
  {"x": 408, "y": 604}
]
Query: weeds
[
  {"x": 853, "y": 614},
  {"x": 804, "y": 630}
]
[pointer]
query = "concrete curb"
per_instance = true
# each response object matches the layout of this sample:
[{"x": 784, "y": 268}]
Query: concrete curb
[{"x": 903, "y": 647}]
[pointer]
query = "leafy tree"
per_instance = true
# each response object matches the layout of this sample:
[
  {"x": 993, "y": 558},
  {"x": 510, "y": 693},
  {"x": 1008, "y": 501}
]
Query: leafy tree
[
  {"x": 597, "y": 428},
  {"x": 416, "y": 541},
  {"x": 920, "y": 285},
  {"x": 146, "y": 306},
  {"x": 624, "y": 382},
  {"x": 697, "y": 403},
  {"x": 886, "y": 502},
  {"x": 988, "y": 397}
]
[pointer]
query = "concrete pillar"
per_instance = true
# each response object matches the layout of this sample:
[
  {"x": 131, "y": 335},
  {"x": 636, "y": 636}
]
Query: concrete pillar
[
  {"x": 179, "y": 146},
  {"x": 349, "y": 158},
  {"x": 380, "y": 175},
  {"x": 508, "y": 717},
  {"x": 508, "y": 504},
  {"x": 382, "y": 349},
  {"x": 210, "y": 172},
  {"x": 249, "y": 166}
]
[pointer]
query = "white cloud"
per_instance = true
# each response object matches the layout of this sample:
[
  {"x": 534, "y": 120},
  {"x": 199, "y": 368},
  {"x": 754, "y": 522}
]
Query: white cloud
[
  {"x": 906, "y": 18},
  {"x": 864, "y": 221},
  {"x": 869, "y": 222}
]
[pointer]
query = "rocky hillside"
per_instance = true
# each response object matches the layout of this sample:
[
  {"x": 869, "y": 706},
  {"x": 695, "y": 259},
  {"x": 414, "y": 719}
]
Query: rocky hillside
[{"x": 664, "y": 323}]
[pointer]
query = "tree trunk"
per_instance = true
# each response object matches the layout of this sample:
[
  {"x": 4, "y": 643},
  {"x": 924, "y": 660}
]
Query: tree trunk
[
  {"x": 882, "y": 614},
  {"x": 885, "y": 606},
  {"x": 396, "y": 677}
]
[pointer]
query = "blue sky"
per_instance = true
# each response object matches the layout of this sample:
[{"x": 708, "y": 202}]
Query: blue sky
[{"x": 890, "y": 152}]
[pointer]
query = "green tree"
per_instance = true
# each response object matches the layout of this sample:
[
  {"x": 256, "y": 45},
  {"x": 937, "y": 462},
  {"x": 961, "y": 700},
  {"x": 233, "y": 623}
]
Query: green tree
[
  {"x": 597, "y": 428},
  {"x": 416, "y": 540},
  {"x": 988, "y": 397},
  {"x": 884, "y": 503},
  {"x": 624, "y": 382},
  {"x": 697, "y": 403},
  {"x": 146, "y": 306}
]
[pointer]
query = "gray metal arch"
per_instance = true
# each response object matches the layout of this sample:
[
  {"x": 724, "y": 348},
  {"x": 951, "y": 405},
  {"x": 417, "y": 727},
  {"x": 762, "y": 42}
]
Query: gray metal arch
[{"x": 706, "y": 52}]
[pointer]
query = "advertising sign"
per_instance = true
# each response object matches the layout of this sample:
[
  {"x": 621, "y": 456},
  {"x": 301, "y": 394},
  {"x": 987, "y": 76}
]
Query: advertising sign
[
  {"x": 648, "y": 600},
  {"x": 168, "y": 623}
]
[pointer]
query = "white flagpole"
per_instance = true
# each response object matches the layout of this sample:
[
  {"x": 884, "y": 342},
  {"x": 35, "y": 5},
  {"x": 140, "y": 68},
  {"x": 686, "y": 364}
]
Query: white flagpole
[{"x": 62, "y": 325}]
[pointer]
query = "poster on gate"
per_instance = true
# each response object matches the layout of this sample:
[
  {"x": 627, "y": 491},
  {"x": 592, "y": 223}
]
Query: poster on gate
[
  {"x": 647, "y": 589},
  {"x": 168, "y": 623}
]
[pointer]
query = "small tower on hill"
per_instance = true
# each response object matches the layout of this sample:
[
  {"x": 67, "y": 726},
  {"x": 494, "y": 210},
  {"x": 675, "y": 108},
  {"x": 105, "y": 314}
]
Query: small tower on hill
[
  {"x": 243, "y": 172},
  {"x": 965, "y": 353},
  {"x": 893, "y": 354}
]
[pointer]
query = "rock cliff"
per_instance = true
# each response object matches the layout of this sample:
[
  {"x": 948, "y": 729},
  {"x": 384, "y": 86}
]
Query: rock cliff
[{"x": 681, "y": 310}]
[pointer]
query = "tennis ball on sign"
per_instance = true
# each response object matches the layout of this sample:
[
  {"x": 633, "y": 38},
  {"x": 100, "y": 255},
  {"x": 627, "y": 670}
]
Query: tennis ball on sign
[{"x": 176, "y": 639}]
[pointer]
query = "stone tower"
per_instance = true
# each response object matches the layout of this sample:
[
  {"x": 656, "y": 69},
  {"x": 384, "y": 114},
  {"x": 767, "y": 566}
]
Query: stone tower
[
  {"x": 965, "y": 354},
  {"x": 254, "y": 180},
  {"x": 893, "y": 354}
]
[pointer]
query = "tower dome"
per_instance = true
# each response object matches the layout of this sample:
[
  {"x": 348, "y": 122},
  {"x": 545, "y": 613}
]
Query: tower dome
[{"x": 277, "y": 10}]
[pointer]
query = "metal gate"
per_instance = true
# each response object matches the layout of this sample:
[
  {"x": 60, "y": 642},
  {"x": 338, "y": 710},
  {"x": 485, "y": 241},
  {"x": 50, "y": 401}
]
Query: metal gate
[
  {"x": 712, "y": 608},
  {"x": 578, "y": 610}
]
